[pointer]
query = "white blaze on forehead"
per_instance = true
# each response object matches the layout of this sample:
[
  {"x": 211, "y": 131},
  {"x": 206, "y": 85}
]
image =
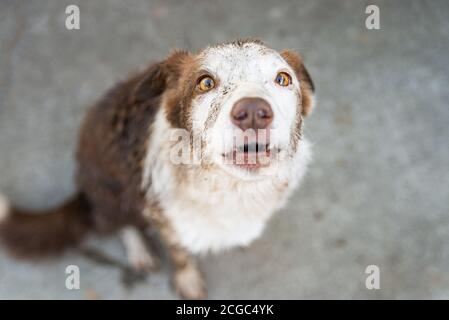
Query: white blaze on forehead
[{"x": 250, "y": 62}]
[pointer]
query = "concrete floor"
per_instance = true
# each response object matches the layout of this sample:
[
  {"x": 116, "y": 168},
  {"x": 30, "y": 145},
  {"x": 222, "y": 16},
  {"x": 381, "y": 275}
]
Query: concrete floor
[{"x": 376, "y": 193}]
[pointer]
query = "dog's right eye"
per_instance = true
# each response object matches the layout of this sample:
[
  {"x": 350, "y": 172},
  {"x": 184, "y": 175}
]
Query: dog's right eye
[{"x": 206, "y": 83}]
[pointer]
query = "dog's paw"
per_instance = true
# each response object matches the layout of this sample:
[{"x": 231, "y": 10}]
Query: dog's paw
[
  {"x": 139, "y": 256},
  {"x": 189, "y": 283},
  {"x": 143, "y": 261}
]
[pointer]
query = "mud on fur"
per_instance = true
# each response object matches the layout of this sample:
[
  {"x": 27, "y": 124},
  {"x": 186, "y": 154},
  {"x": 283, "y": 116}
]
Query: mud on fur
[{"x": 126, "y": 181}]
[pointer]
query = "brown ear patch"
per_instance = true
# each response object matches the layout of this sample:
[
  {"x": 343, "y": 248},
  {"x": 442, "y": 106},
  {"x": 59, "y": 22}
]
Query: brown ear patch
[
  {"x": 159, "y": 76},
  {"x": 181, "y": 91},
  {"x": 307, "y": 86},
  {"x": 172, "y": 79}
]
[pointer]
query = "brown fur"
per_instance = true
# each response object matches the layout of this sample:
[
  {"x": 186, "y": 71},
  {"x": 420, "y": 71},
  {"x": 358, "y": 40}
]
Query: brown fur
[
  {"x": 111, "y": 150},
  {"x": 34, "y": 235},
  {"x": 112, "y": 144},
  {"x": 181, "y": 92},
  {"x": 110, "y": 155},
  {"x": 307, "y": 86}
]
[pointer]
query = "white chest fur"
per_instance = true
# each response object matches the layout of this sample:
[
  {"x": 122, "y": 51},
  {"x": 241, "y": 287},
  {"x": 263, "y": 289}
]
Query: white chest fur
[
  {"x": 215, "y": 215},
  {"x": 211, "y": 210}
]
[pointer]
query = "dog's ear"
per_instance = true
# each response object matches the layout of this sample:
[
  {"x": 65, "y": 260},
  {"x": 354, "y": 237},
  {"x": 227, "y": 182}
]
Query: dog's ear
[
  {"x": 159, "y": 76},
  {"x": 306, "y": 83}
]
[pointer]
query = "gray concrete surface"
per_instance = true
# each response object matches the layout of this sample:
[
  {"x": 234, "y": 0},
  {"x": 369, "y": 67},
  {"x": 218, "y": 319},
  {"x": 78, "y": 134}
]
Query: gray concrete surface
[{"x": 376, "y": 193}]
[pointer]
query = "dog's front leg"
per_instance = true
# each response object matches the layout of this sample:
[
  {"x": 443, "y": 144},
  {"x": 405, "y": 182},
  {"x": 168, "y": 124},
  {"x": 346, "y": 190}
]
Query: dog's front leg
[
  {"x": 187, "y": 277},
  {"x": 139, "y": 256}
]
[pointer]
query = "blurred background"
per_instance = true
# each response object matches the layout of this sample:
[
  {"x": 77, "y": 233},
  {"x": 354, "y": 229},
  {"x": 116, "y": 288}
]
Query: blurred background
[{"x": 376, "y": 193}]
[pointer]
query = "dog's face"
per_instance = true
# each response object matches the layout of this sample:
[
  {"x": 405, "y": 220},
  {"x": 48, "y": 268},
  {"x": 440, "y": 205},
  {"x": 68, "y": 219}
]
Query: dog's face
[{"x": 243, "y": 104}]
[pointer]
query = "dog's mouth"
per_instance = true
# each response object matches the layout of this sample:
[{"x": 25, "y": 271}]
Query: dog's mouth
[{"x": 251, "y": 156}]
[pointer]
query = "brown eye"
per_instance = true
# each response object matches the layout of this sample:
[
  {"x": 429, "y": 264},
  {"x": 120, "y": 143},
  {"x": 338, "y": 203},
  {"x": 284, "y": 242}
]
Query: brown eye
[
  {"x": 206, "y": 83},
  {"x": 283, "y": 79}
]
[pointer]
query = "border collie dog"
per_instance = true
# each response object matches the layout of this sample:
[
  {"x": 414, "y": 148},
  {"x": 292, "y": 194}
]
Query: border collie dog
[{"x": 202, "y": 147}]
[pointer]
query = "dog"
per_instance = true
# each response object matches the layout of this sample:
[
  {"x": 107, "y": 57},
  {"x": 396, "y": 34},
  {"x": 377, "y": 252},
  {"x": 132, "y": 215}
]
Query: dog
[{"x": 137, "y": 168}]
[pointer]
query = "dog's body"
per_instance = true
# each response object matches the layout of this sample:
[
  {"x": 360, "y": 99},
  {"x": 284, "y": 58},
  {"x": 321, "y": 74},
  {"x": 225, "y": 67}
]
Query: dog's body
[{"x": 129, "y": 177}]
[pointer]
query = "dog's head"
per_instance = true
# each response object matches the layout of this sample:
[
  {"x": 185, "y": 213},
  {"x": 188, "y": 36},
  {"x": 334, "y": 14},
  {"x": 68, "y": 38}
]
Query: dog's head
[{"x": 242, "y": 104}]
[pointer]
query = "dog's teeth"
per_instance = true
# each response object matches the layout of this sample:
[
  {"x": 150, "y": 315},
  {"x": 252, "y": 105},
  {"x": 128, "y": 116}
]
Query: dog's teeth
[{"x": 253, "y": 147}]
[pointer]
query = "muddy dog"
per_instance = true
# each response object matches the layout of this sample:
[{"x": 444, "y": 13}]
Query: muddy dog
[{"x": 203, "y": 148}]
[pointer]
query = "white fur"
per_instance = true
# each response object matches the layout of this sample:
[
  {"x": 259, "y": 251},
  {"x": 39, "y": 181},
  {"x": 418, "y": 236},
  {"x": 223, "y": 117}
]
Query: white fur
[
  {"x": 214, "y": 208},
  {"x": 4, "y": 207}
]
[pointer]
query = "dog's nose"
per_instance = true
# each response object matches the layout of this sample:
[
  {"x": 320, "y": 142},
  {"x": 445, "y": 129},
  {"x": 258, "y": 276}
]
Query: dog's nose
[{"x": 252, "y": 113}]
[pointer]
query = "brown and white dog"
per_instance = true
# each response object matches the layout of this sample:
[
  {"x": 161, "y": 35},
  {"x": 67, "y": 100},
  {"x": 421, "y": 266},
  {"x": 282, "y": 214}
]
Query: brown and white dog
[{"x": 135, "y": 172}]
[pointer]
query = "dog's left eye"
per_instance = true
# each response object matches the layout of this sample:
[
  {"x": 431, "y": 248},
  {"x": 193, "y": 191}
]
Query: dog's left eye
[
  {"x": 283, "y": 79},
  {"x": 206, "y": 83}
]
